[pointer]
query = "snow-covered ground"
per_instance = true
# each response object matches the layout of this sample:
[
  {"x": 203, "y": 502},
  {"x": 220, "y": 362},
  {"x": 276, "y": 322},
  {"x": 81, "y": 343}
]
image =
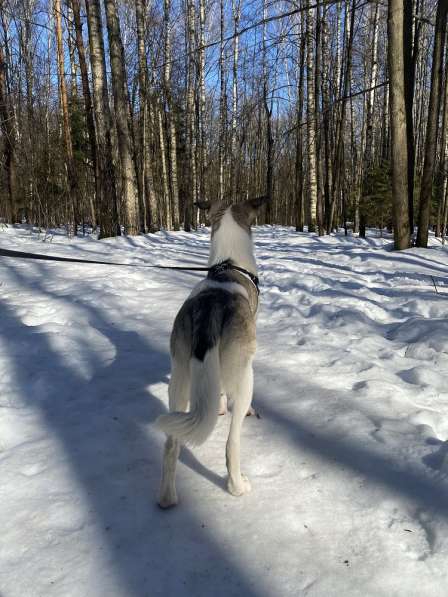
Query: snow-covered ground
[{"x": 348, "y": 462}]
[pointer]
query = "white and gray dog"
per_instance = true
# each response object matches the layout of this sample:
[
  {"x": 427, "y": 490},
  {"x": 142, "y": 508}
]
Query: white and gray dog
[{"x": 212, "y": 346}]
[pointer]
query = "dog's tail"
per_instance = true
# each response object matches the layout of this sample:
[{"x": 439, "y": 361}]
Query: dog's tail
[{"x": 195, "y": 426}]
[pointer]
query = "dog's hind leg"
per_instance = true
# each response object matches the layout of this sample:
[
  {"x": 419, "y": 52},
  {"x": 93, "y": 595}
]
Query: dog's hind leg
[
  {"x": 179, "y": 395},
  {"x": 240, "y": 392}
]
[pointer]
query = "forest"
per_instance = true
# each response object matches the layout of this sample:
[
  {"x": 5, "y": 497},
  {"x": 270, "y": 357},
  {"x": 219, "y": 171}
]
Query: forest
[{"x": 118, "y": 115}]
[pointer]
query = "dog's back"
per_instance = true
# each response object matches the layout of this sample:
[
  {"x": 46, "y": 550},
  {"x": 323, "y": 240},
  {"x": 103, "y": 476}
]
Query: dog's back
[
  {"x": 213, "y": 317},
  {"x": 214, "y": 332}
]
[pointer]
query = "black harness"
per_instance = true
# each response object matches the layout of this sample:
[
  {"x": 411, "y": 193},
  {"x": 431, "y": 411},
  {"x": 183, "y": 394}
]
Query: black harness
[{"x": 225, "y": 266}]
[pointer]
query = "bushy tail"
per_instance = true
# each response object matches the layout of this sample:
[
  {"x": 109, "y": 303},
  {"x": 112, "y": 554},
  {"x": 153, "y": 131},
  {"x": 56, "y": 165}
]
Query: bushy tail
[{"x": 195, "y": 426}]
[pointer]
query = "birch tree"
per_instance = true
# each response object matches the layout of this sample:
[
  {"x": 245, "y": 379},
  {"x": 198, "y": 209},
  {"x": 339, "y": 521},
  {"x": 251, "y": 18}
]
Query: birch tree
[
  {"x": 299, "y": 172},
  {"x": 222, "y": 101},
  {"x": 370, "y": 102},
  {"x": 107, "y": 201},
  {"x": 236, "y": 14},
  {"x": 311, "y": 120},
  {"x": 66, "y": 128},
  {"x": 148, "y": 206},
  {"x": 190, "y": 117},
  {"x": 170, "y": 118}
]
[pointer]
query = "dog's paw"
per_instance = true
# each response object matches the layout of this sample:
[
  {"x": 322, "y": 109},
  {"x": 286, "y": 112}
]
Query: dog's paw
[
  {"x": 167, "y": 500},
  {"x": 240, "y": 488}
]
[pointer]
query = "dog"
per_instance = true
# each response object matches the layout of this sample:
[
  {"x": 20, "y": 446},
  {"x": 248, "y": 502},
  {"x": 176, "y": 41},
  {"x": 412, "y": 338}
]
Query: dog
[{"x": 212, "y": 346}]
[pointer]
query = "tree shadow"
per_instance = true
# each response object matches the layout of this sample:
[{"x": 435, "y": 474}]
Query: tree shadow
[
  {"x": 406, "y": 480},
  {"x": 361, "y": 251}
]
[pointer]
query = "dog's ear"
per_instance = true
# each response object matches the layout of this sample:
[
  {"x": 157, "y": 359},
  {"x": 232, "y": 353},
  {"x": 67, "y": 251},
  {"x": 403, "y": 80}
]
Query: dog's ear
[
  {"x": 257, "y": 202},
  {"x": 252, "y": 207},
  {"x": 205, "y": 205}
]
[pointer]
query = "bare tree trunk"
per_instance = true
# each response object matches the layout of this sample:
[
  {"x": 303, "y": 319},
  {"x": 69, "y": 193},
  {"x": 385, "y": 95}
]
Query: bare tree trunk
[
  {"x": 108, "y": 213},
  {"x": 148, "y": 205},
  {"x": 236, "y": 12},
  {"x": 445, "y": 212},
  {"x": 398, "y": 124},
  {"x": 326, "y": 120},
  {"x": 71, "y": 173},
  {"x": 385, "y": 125},
  {"x": 268, "y": 115},
  {"x": 317, "y": 119},
  {"x": 190, "y": 116},
  {"x": 421, "y": 93},
  {"x": 299, "y": 134},
  {"x": 166, "y": 216},
  {"x": 340, "y": 128},
  {"x": 338, "y": 65},
  {"x": 201, "y": 102},
  {"x": 442, "y": 174},
  {"x": 121, "y": 105},
  {"x": 87, "y": 103},
  {"x": 311, "y": 121},
  {"x": 7, "y": 129},
  {"x": 27, "y": 49},
  {"x": 431, "y": 129},
  {"x": 411, "y": 47},
  {"x": 171, "y": 126},
  {"x": 370, "y": 103},
  {"x": 71, "y": 37},
  {"x": 222, "y": 104}
]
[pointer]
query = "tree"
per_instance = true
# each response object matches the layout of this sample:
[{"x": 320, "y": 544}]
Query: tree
[
  {"x": 398, "y": 124},
  {"x": 267, "y": 104},
  {"x": 8, "y": 132},
  {"x": 148, "y": 204},
  {"x": 370, "y": 99},
  {"x": 107, "y": 201},
  {"x": 71, "y": 171},
  {"x": 191, "y": 194},
  {"x": 299, "y": 219},
  {"x": 170, "y": 118},
  {"x": 88, "y": 106},
  {"x": 222, "y": 103},
  {"x": 311, "y": 120},
  {"x": 121, "y": 105},
  {"x": 431, "y": 129},
  {"x": 442, "y": 173}
]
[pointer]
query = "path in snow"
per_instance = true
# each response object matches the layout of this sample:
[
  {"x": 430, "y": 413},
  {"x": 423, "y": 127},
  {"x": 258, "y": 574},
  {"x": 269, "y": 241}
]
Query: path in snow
[{"x": 348, "y": 462}]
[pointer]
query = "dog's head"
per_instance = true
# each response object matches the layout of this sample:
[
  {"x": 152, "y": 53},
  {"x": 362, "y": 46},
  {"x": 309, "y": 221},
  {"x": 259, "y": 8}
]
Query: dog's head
[{"x": 244, "y": 213}]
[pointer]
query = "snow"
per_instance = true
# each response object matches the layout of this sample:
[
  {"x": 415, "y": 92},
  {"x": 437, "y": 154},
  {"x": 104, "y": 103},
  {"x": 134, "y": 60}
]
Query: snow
[{"x": 348, "y": 462}]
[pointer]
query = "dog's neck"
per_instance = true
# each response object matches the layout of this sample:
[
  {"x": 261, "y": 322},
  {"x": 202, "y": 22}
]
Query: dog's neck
[{"x": 232, "y": 241}]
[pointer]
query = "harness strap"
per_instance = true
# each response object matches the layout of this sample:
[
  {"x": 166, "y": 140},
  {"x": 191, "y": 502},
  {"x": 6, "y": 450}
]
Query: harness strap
[{"x": 228, "y": 265}]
